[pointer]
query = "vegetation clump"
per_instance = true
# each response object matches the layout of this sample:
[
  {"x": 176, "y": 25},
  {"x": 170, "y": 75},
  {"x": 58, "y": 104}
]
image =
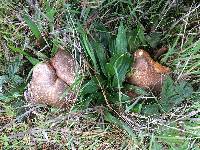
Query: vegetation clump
[{"x": 109, "y": 111}]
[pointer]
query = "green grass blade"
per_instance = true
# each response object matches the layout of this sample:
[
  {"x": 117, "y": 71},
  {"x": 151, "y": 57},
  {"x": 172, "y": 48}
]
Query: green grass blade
[
  {"x": 90, "y": 51},
  {"x": 112, "y": 119},
  {"x": 141, "y": 34},
  {"x": 32, "y": 26},
  {"x": 34, "y": 61}
]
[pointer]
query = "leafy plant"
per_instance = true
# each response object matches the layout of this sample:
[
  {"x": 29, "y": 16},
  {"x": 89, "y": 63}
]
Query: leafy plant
[
  {"x": 12, "y": 75},
  {"x": 172, "y": 94},
  {"x": 12, "y": 79}
]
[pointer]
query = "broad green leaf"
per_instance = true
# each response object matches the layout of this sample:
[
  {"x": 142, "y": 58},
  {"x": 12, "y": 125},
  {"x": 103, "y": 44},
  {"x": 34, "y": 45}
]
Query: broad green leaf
[
  {"x": 32, "y": 26},
  {"x": 101, "y": 55},
  {"x": 12, "y": 71},
  {"x": 112, "y": 46},
  {"x": 140, "y": 91},
  {"x": 117, "y": 69},
  {"x": 167, "y": 94},
  {"x": 167, "y": 88},
  {"x": 121, "y": 66},
  {"x": 84, "y": 102},
  {"x": 110, "y": 69},
  {"x": 90, "y": 87},
  {"x": 121, "y": 40},
  {"x": 119, "y": 63},
  {"x": 90, "y": 93},
  {"x": 174, "y": 93}
]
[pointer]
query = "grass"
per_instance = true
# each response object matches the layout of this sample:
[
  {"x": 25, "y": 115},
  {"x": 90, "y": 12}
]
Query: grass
[{"x": 102, "y": 35}]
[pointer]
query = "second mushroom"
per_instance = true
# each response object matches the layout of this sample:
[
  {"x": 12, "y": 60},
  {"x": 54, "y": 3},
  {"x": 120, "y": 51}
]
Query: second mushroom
[{"x": 146, "y": 72}]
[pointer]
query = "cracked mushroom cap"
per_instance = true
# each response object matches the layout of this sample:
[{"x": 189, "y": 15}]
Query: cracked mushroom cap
[
  {"x": 146, "y": 72},
  {"x": 48, "y": 87}
]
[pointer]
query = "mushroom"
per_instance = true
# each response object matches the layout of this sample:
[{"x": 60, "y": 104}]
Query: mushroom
[
  {"x": 51, "y": 80},
  {"x": 64, "y": 65},
  {"x": 147, "y": 73}
]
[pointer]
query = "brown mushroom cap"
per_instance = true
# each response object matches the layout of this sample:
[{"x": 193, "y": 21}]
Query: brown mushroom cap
[
  {"x": 64, "y": 65},
  {"x": 146, "y": 72},
  {"x": 49, "y": 85}
]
